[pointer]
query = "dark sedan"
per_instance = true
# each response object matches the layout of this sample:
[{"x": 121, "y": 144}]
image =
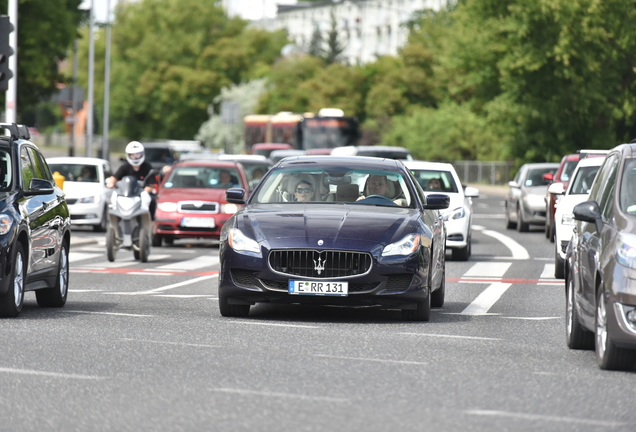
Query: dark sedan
[
  {"x": 335, "y": 231},
  {"x": 601, "y": 265}
]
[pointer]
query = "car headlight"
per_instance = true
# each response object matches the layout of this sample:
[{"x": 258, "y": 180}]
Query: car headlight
[
  {"x": 94, "y": 199},
  {"x": 567, "y": 219},
  {"x": 626, "y": 250},
  {"x": 406, "y": 246},
  {"x": 167, "y": 207},
  {"x": 229, "y": 208},
  {"x": 5, "y": 223},
  {"x": 458, "y": 213},
  {"x": 241, "y": 243}
]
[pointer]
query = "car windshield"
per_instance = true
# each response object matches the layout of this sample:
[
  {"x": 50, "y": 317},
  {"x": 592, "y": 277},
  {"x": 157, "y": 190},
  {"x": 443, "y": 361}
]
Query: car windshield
[
  {"x": 628, "y": 187},
  {"x": 5, "y": 170},
  {"x": 203, "y": 177},
  {"x": 568, "y": 170},
  {"x": 159, "y": 155},
  {"x": 334, "y": 186},
  {"x": 535, "y": 176},
  {"x": 583, "y": 180},
  {"x": 76, "y": 172},
  {"x": 435, "y": 180}
]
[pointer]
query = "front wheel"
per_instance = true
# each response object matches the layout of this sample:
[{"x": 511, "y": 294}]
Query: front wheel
[
  {"x": 102, "y": 226},
  {"x": 422, "y": 312},
  {"x": 111, "y": 249},
  {"x": 608, "y": 355},
  {"x": 11, "y": 303},
  {"x": 576, "y": 336},
  {"x": 521, "y": 225},
  {"x": 559, "y": 264},
  {"x": 56, "y": 296},
  {"x": 232, "y": 310},
  {"x": 437, "y": 296},
  {"x": 144, "y": 244}
]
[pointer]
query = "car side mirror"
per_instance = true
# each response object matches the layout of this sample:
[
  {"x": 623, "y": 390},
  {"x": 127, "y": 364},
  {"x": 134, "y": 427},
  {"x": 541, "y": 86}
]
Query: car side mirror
[
  {"x": 39, "y": 187},
  {"x": 437, "y": 202},
  {"x": 513, "y": 184},
  {"x": 471, "y": 192},
  {"x": 589, "y": 211},
  {"x": 235, "y": 196},
  {"x": 556, "y": 189},
  {"x": 548, "y": 177}
]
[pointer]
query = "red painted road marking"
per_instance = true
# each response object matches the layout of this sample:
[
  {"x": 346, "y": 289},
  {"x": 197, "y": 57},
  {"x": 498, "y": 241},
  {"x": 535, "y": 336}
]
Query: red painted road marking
[{"x": 511, "y": 281}]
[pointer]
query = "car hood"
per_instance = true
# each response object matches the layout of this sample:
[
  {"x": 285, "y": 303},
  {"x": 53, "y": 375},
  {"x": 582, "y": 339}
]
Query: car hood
[
  {"x": 567, "y": 202},
  {"x": 191, "y": 194},
  {"x": 338, "y": 226},
  {"x": 81, "y": 189}
]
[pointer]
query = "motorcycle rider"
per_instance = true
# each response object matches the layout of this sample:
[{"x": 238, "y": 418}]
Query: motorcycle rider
[{"x": 138, "y": 168}]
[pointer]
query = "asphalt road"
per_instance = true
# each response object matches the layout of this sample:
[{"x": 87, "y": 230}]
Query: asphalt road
[{"x": 143, "y": 347}]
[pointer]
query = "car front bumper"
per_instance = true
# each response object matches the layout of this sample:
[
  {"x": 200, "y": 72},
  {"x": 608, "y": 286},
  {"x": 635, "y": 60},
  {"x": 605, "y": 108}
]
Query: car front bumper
[
  {"x": 457, "y": 233},
  {"x": 171, "y": 224},
  {"x": 86, "y": 214}
]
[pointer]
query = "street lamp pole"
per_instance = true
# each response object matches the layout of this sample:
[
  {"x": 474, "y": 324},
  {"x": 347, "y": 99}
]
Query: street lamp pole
[
  {"x": 105, "y": 147},
  {"x": 91, "y": 76},
  {"x": 11, "y": 95}
]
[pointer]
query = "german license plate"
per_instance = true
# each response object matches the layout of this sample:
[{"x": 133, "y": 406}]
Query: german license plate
[
  {"x": 198, "y": 222},
  {"x": 319, "y": 288}
]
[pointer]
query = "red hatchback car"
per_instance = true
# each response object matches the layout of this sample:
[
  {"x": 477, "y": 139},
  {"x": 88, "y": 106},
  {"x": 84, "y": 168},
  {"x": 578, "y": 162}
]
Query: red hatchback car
[{"x": 191, "y": 200}]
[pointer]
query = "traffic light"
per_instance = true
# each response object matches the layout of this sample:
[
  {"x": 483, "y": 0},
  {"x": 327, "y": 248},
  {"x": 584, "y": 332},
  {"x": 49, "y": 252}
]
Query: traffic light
[{"x": 5, "y": 51}]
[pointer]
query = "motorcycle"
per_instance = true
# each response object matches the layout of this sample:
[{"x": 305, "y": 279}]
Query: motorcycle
[{"x": 130, "y": 221}]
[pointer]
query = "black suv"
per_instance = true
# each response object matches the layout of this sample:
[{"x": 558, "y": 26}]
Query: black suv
[
  {"x": 34, "y": 226},
  {"x": 601, "y": 265}
]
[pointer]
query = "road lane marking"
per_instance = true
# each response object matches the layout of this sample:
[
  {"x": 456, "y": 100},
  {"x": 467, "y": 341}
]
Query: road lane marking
[
  {"x": 50, "y": 374},
  {"x": 548, "y": 271},
  {"x": 104, "y": 313},
  {"x": 143, "y": 272},
  {"x": 183, "y": 295},
  {"x": 168, "y": 287},
  {"x": 81, "y": 256},
  {"x": 274, "y": 324},
  {"x": 294, "y": 396},
  {"x": 452, "y": 336},
  {"x": 488, "y": 269},
  {"x": 170, "y": 343},
  {"x": 532, "y": 318},
  {"x": 494, "y": 413},
  {"x": 84, "y": 290},
  {"x": 486, "y": 299},
  {"x": 192, "y": 264},
  {"x": 518, "y": 251},
  {"x": 372, "y": 360},
  {"x": 149, "y": 273}
]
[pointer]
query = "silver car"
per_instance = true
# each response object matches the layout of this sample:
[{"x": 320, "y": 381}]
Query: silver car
[{"x": 525, "y": 202}]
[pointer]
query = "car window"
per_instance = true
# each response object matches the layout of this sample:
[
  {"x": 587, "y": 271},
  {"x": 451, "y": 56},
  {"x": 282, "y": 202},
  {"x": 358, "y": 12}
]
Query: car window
[
  {"x": 159, "y": 155},
  {"x": 583, "y": 180},
  {"x": 203, "y": 177},
  {"x": 535, "y": 176},
  {"x": 628, "y": 187},
  {"x": 73, "y": 172},
  {"x": 26, "y": 168},
  {"x": 5, "y": 170},
  {"x": 435, "y": 180},
  {"x": 568, "y": 170},
  {"x": 40, "y": 168},
  {"x": 311, "y": 185},
  {"x": 601, "y": 178},
  {"x": 607, "y": 193}
]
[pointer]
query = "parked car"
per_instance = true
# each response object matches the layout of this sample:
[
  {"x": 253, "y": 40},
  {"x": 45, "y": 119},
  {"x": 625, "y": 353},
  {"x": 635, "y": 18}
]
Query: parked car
[
  {"x": 277, "y": 155},
  {"x": 85, "y": 187},
  {"x": 525, "y": 201},
  {"x": 265, "y": 149},
  {"x": 563, "y": 175},
  {"x": 191, "y": 200},
  {"x": 304, "y": 237},
  {"x": 389, "y": 152},
  {"x": 436, "y": 177},
  {"x": 601, "y": 265},
  {"x": 577, "y": 191},
  {"x": 35, "y": 232}
]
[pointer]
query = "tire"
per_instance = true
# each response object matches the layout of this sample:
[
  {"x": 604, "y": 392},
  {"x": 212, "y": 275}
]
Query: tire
[
  {"x": 521, "y": 225},
  {"x": 608, "y": 355},
  {"x": 509, "y": 223},
  {"x": 168, "y": 240},
  {"x": 144, "y": 245},
  {"x": 103, "y": 224},
  {"x": 559, "y": 264},
  {"x": 437, "y": 296},
  {"x": 552, "y": 233},
  {"x": 156, "y": 241},
  {"x": 422, "y": 311},
  {"x": 232, "y": 310},
  {"x": 11, "y": 303},
  {"x": 56, "y": 296},
  {"x": 111, "y": 251},
  {"x": 576, "y": 336},
  {"x": 547, "y": 230},
  {"x": 461, "y": 254}
]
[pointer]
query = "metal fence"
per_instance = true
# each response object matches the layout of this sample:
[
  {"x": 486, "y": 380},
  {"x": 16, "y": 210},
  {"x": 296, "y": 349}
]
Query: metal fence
[{"x": 484, "y": 172}]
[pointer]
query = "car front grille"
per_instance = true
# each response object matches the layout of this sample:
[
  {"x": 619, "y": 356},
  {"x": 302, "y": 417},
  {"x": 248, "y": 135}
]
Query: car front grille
[
  {"x": 320, "y": 264},
  {"x": 244, "y": 277},
  {"x": 198, "y": 207},
  {"x": 455, "y": 237},
  {"x": 71, "y": 201},
  {"x": 564, "y": 245}
]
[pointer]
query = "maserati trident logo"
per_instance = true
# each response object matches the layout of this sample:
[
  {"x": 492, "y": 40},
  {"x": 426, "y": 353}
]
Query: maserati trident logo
[{"x": 320, "y": 265}]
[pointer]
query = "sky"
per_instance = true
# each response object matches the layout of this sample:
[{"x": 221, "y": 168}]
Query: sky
[{"x": 247, "y": 9}]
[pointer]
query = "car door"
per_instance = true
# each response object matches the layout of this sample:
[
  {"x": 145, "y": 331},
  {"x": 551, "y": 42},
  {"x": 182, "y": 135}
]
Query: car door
[{"x": 589, "y": 242}]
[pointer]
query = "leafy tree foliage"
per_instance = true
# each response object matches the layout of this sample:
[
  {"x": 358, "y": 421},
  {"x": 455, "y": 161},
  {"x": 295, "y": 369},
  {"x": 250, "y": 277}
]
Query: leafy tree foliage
[
  {"x": 46, "y": 30},
  {"x": 334, "y": 49}
]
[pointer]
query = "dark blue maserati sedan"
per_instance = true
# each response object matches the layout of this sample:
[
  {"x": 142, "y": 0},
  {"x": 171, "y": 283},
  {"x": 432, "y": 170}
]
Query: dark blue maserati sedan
[{"x": 330, "y": 230}]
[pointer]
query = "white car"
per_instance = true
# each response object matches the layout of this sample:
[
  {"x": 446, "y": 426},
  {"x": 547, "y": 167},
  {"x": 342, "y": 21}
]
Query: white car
[
  {"x": 442, "y": 178},
  {"x": 577, "y": 192},
  {"x": 85, "y": 187}
]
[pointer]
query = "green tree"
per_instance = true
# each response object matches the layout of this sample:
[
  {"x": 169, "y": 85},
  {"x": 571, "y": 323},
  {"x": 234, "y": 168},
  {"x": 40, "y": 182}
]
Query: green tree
[
  {"x": 315, "y": 43},
  {"x": 46, "y": 31},
  {"x": 333, "y": 53}
]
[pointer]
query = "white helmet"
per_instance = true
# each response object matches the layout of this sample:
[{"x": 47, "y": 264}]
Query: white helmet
[{"x": 135, "y": 153}]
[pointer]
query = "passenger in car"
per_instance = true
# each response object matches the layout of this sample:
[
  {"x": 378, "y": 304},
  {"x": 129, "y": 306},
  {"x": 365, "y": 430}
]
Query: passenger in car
[
  {"x": 434, "y": 184},
  {"x": 225, "y": 180},
  {"x": 303, "y": 191}
]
